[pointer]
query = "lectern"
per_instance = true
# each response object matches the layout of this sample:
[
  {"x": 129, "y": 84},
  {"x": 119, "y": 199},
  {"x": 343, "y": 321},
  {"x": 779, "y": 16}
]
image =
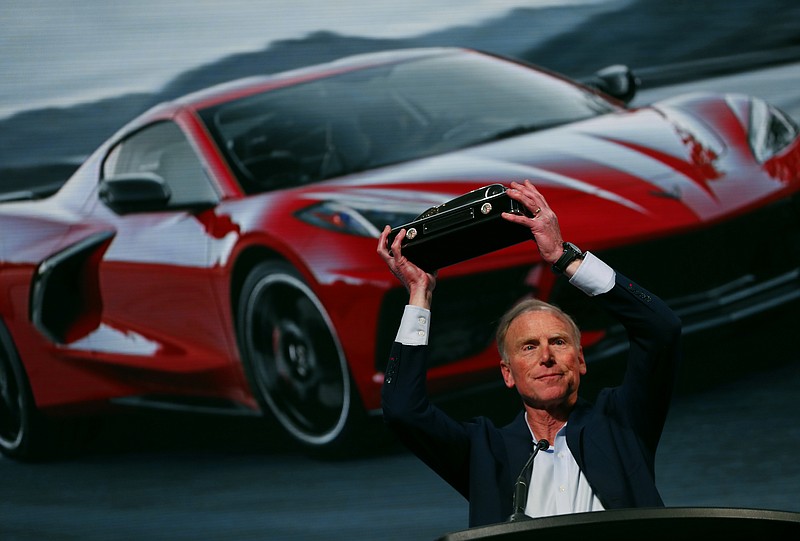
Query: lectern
[{"x": 651, "y": 524}]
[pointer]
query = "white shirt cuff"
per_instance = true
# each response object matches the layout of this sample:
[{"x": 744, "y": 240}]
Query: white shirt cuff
[
  {"x": 593, "y": 277},
  {"x": 414, "y": 326}
]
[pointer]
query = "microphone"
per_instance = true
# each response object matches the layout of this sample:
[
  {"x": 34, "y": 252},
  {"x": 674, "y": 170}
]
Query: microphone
[{"x": 521, "y": 486}]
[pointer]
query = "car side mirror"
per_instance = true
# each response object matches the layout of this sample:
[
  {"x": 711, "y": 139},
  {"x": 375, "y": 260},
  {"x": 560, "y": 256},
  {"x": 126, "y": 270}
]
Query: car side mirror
[
  {"x": 134, "y": 192},
  {"x": 617, "y": 81}
]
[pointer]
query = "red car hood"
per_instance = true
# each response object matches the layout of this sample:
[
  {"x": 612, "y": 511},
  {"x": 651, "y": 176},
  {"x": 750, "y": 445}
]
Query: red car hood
[{"x": 611, "y": 179}]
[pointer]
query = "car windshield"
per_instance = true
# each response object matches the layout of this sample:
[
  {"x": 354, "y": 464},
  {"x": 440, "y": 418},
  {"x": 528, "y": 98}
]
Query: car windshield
[{"x": 384, "y": 115}]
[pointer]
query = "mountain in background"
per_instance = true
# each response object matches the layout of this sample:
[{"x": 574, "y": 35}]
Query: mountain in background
[{"x": 42, "y": 147}]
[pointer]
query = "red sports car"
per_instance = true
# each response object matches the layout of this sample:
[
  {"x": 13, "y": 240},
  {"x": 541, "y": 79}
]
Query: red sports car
[{"x": 219, "y": 251}]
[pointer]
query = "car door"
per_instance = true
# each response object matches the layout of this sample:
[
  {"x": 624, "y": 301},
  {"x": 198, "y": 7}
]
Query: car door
[{"x": 159, "y": 310}]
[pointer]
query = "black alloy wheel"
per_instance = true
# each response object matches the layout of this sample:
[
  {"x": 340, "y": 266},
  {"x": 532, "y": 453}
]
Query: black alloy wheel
[{"x": 292, "y": 357}]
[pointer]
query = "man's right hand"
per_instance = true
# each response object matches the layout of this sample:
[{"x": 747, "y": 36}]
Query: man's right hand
[
  {"x": 542, "y": 221},
  {"x": 418, "y": 283}
]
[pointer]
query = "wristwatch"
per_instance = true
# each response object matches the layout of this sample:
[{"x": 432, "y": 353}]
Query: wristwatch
[{"x": 571, "y": 253}]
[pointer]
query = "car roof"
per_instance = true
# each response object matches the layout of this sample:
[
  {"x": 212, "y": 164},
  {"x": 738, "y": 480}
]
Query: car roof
[{"x": 223, "y": 92}]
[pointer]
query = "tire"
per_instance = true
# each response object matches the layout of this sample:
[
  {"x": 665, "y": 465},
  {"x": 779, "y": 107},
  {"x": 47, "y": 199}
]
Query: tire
[
  {"x": 23, "y": 432},
  {"x": 293, "y": 359}
]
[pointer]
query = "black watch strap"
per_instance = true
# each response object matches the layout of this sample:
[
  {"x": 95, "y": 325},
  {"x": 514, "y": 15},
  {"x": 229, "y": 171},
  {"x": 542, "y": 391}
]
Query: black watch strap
[{"x": 571, "y": 253}]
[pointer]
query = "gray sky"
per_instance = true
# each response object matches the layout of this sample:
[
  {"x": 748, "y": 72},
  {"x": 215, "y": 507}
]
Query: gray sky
[{"x": 59, "y": 52}]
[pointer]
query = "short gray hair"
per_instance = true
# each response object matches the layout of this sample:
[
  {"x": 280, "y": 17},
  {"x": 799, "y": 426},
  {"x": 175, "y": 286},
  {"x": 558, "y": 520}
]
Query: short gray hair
[{"x": 526, "y": 306}]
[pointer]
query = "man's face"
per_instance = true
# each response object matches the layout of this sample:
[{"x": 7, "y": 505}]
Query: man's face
[{"x": 545, "y": 362}]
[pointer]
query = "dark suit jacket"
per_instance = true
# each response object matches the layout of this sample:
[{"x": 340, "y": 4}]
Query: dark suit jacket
[{"x": 613, "y": 440}]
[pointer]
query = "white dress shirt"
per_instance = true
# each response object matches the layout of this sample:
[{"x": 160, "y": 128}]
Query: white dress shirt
[{"x": 557, "y": 485}]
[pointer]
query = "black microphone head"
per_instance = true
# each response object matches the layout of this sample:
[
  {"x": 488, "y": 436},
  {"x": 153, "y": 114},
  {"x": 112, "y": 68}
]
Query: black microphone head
[{"x": 543, "y": 444}]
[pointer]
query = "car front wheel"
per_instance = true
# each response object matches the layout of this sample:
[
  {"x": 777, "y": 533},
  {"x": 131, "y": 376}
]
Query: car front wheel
[{"x": 293, "y": 359}]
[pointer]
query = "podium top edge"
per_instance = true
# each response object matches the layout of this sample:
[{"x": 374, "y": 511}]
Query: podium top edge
[{"x": 694, "y": 515}]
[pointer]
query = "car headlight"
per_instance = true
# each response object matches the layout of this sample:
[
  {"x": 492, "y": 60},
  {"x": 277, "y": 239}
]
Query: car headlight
[
  {"x": 771, "y": 130},
  {"x": 366, "y": 222}
]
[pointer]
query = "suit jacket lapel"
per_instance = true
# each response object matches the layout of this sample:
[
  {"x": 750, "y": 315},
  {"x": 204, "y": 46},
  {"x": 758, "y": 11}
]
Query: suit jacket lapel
[
  {"x": 575, "y": 425},
  {"x": 519, "y": 444}
]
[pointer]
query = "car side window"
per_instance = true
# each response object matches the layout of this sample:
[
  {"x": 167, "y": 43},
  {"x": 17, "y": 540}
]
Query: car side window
[{"x": 163, "y": 149}]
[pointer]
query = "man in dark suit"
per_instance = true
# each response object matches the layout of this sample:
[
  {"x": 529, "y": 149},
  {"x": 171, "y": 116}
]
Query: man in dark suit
[{"x": 598, "y": 455}]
